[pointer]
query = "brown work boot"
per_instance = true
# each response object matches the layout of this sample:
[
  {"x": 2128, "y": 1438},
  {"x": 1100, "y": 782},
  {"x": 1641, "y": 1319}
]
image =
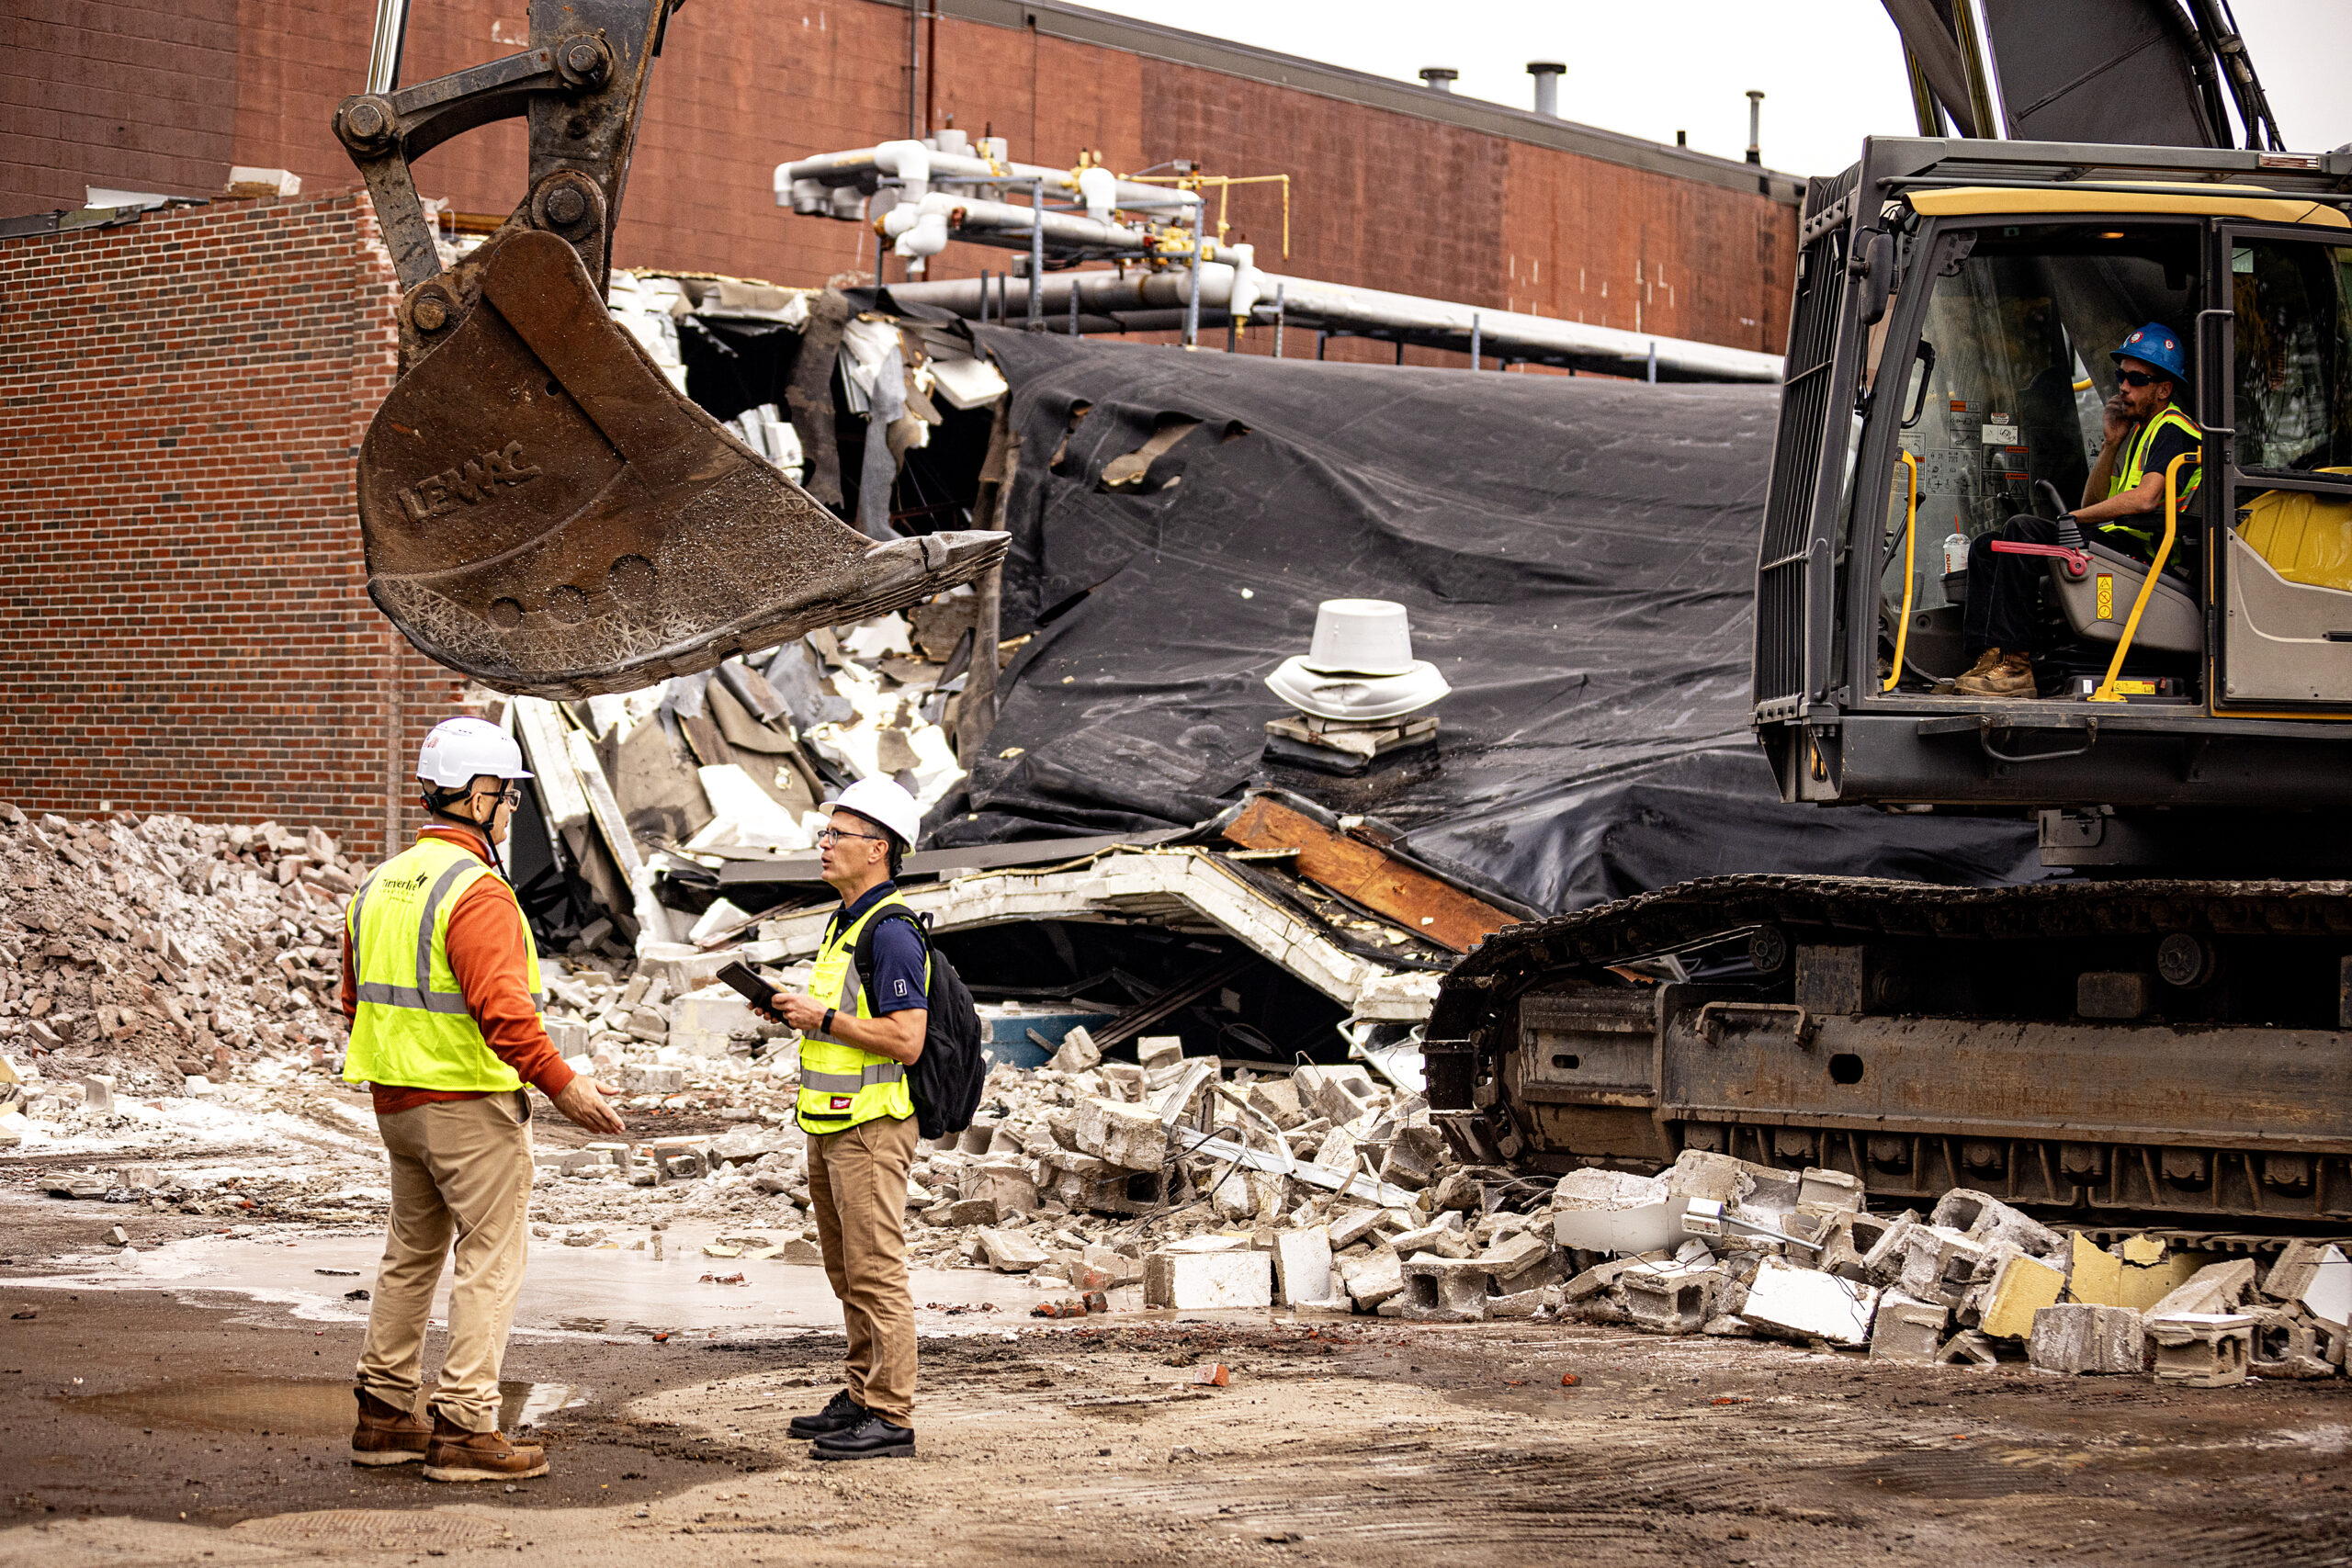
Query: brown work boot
[
  {"x": 386, "y": 1433},
  {"x": 2010, "y": 676},
  {"x": 459, "y": 1455},
  {"x": 1986, "y": 663}
]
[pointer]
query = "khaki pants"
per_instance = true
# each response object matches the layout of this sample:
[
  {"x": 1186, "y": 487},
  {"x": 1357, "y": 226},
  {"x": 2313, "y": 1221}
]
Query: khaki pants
[
  {"x": 461, "y": 1167},
  {"x": 857, "y": 1189}
]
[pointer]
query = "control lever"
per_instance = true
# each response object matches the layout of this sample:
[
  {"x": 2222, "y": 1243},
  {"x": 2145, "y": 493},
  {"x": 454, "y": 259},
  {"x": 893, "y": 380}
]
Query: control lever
[{"x": 2077, "y": 561}]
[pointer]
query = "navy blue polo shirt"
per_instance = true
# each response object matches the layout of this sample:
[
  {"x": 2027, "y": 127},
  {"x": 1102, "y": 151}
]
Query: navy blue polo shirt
[{"x": 895, "y": 984}]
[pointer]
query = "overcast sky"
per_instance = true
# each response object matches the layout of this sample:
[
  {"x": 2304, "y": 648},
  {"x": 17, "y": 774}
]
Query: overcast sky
[{"x": 1832, "y": 70}]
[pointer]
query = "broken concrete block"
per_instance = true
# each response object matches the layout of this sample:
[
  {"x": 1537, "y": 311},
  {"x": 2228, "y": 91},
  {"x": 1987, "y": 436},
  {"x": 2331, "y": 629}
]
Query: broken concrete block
[
  {"x": 2288, "y": 1346},
  {"x": 1939, "y": 1264},
  {"x": 2093, "y": 1277},
  {"x": 704, "y": 1022},
  {"x": 1347, "y": 1229},
  {"x": 1830, "y": 1189},
  {"x": 1805, "y": 1304},
  {"x": 1459, "y": 1191},
  {"x": 2316, "y": 1275},
  {"x": 1373, "y": 1279},
  {"x": 1114, "y": 1268},
  {"x": 1129, "y": 1136},
  {"x": 1607, "y": 1211},
  {"x": 1967, "y": 1349},
  {"x": 1278, "y": 1097},
  {"x": 1520, "y": 1304},
  {"x": 1199, "y": 1282},
  {"x": 2079, "y": 1338},
  {"x": 1338, "y": 1151},
  {"x": 1303, "y": 1265},
  {"x": 1444, "y": 1290},
  {"x": 1907, "y": 1330},
  {"x": 1598, "y": 1278},
  {"x": 1671, "y": 1300},
  {"x": 1981, "y": 1217},
  {"x": 966, "y": 1211},
  {"x": 1414, "y": 1157},
  {"x": 1159, "y": 1051},
  {"x": 1514, "y": 1254},
  {"x": 1077, "y": 1053},
  {"x": 1882, "y": 1260},
  {"x": 97, "y": 1093},
  {"x": 1442, "y": 1239},
  {"x": 2217, "y": 1288},
  {"x": 1011, "y": 1252},
  {"x": 1698, "y": 1174},
  {"x": 1005, "y": 1185},
  {"x": 2006, "y": 1304},
  {"x": 1341, "y": 1093},
  {"x": 2202, "y": 1349}
]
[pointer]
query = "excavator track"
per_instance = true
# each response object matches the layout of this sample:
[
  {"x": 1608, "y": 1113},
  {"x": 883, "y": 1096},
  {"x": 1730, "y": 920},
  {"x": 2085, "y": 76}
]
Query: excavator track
[{"x": 2109, "y": 1050}]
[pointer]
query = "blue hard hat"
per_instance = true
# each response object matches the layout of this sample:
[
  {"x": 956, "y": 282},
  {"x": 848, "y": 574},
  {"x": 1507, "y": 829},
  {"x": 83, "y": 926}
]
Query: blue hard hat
[{"x": 2155, "y": 344}]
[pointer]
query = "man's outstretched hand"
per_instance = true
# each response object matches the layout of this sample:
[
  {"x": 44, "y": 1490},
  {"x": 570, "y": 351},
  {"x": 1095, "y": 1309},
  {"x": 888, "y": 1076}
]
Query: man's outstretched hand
[{"x": 582, "y": 1101}]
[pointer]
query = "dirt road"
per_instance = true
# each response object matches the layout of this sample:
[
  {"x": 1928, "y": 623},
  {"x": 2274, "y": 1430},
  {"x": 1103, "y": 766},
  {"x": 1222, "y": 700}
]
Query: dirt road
[{"x": 156, "y": 1426}]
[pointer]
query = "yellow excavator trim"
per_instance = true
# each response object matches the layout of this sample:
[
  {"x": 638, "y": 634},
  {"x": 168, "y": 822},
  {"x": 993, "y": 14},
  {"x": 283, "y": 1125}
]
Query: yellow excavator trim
[{"x": 2200, "y": 201}]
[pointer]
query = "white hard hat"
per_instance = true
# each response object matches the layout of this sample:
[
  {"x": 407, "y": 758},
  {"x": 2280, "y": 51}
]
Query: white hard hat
[
  {"x": 460, "y": 750},
  {"x": 883, "y": 801}
]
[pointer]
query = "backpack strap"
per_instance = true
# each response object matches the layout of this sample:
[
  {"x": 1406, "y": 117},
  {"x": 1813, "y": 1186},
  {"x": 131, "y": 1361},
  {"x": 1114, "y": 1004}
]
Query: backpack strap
[{"x": 864, "y": 955}]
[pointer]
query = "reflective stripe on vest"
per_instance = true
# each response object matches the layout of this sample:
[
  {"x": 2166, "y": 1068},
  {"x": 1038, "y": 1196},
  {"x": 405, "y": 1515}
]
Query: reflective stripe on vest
[
  {"x": 411, "y": 1028},
  {"x": 2134, "y": 469},
  {"x": 841, "y": 1085}
]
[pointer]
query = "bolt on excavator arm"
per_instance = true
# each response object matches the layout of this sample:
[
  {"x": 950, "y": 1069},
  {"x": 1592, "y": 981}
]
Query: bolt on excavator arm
[{"x": 542, "y": 510}]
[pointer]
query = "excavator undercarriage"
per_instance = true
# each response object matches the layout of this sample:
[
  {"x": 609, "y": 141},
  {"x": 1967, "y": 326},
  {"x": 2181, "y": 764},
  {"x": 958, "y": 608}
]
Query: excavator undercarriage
[{"x": 542, "y": 509}]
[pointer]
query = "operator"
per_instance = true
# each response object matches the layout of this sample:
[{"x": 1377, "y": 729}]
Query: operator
[
  {"x": 2124, "y": 505},
  {"x": 859, "y": 1033},
  {"x": 441, "y": 983}
]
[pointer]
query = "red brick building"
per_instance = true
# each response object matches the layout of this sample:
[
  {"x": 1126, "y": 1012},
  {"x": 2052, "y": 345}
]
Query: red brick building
[
  {"x": 181, "y": 397},
  {"x": 1394, "y": 184}
]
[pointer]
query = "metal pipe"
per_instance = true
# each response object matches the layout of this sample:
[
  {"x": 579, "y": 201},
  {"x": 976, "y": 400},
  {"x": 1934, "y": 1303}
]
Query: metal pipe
[
  {"x": 1332, "y": 309},
  {"x": 1037, "y": 256},
  {"x": 1073, "y": 307},
  {"x": 862, "y": 165},
  {"x": 915, "y": 127},
  {"x": 1547, "y": 74},
  {"x": 1278, "y": 320},
  {"x": 1652, "y": 377},
  {"x": 1755, "y": 126},
  {"x": 1474, "y": 340},
  {"x": 384, "y": 53},
  {"x": 1983, "y": 72},
  {"x": 1193, "y": 302},
  {"x": 984, "y": 297},
  {"x": 1439, "y": 78}
]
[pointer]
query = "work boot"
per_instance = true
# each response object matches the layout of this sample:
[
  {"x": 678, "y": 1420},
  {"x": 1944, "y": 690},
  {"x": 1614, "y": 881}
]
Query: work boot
[
  {"x": 2012, "y": 676},
  {"x": 458, "y": 1455},
  {"x": 386, "y": 1433},
  {"x": 873, "y": 1438},
  {"x": 1986, "y": 663},
  {"x": 840, "y": 1413}
]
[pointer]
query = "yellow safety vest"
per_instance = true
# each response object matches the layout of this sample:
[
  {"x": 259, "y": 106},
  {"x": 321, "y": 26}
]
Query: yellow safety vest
[
  {"x": 412, "y": 1030},
  {"x": 2134, "y": 468},
  {"x": 840, "y": 1085}
]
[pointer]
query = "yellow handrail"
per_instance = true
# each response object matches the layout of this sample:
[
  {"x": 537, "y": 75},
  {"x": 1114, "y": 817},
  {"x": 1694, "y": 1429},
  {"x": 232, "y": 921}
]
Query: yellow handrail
[
  {"x": 2107, "y": 692},
  {"x": 1910, "y": 569}
]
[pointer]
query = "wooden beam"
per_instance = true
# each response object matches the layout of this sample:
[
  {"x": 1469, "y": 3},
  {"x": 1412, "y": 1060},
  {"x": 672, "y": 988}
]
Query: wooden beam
[{"x": 1369, "y": 876}]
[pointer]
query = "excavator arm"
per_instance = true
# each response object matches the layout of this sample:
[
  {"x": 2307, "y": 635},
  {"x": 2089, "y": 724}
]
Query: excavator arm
[{"x": 541, "y": 508}]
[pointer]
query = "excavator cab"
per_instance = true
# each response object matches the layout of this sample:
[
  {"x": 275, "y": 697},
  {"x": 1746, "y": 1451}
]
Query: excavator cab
[
  {"x": 541, "y": 508},
  {"x": 1957, "y": 304}
]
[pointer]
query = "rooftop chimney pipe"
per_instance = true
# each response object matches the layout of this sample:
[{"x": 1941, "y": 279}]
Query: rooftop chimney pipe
[
  {"x": 1547, "y": 86},
  {"x": 1439, "y": 78},
  {"x": 1754, "y": 120}
]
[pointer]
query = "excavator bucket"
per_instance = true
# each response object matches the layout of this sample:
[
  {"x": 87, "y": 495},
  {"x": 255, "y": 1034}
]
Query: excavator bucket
[{"x": 542, "y": 510}]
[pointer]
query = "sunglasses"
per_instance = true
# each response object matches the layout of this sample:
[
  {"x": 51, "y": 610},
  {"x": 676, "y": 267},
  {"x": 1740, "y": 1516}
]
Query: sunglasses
[{"x": 2137, "y": 379}]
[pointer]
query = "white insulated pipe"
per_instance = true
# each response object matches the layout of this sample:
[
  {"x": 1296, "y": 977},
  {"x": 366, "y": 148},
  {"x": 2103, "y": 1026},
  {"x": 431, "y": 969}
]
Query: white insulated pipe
[
  {"x": 806, "y": 185},
  {"x": 1155, "y": 301}
]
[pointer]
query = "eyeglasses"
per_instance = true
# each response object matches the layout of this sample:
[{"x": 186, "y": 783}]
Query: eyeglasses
[
  {"x": 2137, "y": 378},
  {"x": 512, "y": 795},
  {"x": 828, "y": 837}
]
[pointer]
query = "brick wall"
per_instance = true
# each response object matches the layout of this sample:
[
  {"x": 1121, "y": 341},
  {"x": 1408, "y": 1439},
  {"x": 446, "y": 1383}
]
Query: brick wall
[
  {"x": 183, "y": 623},
  {"x": 165, "y": 100}
]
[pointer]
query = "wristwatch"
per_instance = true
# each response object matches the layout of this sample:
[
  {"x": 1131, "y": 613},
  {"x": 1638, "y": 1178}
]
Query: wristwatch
[{"x": 825, "y": 1025}]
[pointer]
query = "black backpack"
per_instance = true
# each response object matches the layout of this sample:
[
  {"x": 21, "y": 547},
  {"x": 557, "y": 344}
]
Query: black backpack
[{"x": 945, "y": 1079}]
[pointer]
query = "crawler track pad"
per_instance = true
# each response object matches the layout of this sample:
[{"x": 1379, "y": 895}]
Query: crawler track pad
[{"x": 545, "y": 512}]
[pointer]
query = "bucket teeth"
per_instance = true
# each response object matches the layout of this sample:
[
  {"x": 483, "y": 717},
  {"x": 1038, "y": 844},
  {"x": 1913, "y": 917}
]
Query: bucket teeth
[{"x": 545, "y": 512}]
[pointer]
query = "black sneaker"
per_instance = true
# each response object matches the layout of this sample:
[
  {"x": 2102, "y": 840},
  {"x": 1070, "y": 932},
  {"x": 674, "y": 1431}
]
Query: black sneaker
[
  {"x": 840, "y": 1413},
  {"x": 871, "y": 1438}
]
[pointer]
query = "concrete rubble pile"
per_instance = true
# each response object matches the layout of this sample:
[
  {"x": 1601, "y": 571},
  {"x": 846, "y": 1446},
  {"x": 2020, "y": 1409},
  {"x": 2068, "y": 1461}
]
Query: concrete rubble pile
[
  {"x": 158, "y": 955},
  {"x": 1794, "y": 1255}
]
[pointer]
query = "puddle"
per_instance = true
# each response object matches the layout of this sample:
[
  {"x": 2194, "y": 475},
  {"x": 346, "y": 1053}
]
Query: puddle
[
  {"x": 599, "y": 1290},
  {"x": 289, "y": 1407}
]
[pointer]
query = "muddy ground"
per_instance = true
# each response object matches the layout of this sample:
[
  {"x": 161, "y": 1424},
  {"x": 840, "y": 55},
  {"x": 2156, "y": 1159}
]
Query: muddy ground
[{"x": 177, "y": 1426}]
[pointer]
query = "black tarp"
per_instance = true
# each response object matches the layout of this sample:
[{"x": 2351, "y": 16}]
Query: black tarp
[{"x": 1576, "y": 556}]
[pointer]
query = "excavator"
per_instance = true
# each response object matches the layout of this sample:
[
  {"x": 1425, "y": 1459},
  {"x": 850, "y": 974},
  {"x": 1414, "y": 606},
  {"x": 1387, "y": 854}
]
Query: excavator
[
  {"x": 2156, "y": 1031},
  {"x": 541, "y": 508}
]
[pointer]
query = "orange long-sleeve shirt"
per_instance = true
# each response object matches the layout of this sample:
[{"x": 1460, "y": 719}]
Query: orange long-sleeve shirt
[{"x": 485, "y": 948}]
